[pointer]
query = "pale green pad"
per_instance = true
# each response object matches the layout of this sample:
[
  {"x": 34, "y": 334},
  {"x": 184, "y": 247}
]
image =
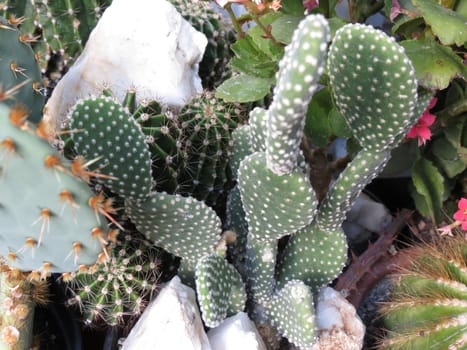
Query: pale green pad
[
  {"x": 106, "y": 131},
  {"x": 291, "y": 311},
  {"x": 314, "y": 256},
  {"x": 27, "y": 187},
  {"x": 181, "y": 225},
  {"x": 373, "y": 84},
  {"x": 275, "y": 205},
  {"x": 219, "y": 288}
]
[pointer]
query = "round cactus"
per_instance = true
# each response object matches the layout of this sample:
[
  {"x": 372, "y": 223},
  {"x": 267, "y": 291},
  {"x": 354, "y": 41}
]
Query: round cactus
[
  {"x": 19, "y": 72},
  {"x": 428, "y": 306},
  {"x": 116, "y": 288},
  {"x": 191, "y": 149},
  {"x": 220, "y": 34}
]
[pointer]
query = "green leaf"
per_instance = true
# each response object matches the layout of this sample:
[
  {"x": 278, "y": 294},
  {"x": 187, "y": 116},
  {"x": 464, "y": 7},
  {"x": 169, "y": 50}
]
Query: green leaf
[
  {"x": 284, "y": 26},
  {"x": 448, "y": 158},
  {"x": 449, "y": 26},
  {"x": 429, "y": 185},
  {"x": 244, "y": 88},
  {"x": 435, "y": 65},
  {"x": 323, "y": 120},
  {"x": 292, "y": 7},
  {"x": 266, "y": 45}
]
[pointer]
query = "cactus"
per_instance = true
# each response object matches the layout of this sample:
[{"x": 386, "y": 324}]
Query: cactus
[
  {"x": 19, "y": 72},
  {"x": 106, "y": 133},
  {"x": 202, "y": 16},
  {"x": 17, "y": 299},
  {"x": 191, "y": 148},
  {"x": 58, "y": 28},
  {"x": 118, "y": 288},
  {"x": 427, "y": 308},
  {"x": 50, "y": 219}
]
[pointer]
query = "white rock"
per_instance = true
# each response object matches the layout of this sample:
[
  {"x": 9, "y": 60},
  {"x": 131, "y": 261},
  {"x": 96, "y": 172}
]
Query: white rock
[
  {"x": 143, "y": 44},
  {"x": 237, "y": 332},
  {"x": 366, "y": 216},
  {"x": 172, "y": 321},
  {"x": 339, "y": 326}
]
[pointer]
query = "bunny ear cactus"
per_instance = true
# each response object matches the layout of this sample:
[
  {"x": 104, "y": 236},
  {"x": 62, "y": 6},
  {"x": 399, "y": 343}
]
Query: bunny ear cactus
[
  {"x": 105, "y": 133},
  {"x": 20, "y": 77},
  {"x": 428, "y": 305}
]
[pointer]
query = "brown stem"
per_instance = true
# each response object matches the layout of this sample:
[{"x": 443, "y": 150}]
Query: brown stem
[{"x": 375, "y": 263}]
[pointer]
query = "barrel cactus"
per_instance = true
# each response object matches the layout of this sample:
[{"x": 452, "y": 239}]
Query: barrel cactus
[
  {"x": 118, "y": 288},
  {"x": 427, "y": 308},
  {"x": 220, "y": 34}
]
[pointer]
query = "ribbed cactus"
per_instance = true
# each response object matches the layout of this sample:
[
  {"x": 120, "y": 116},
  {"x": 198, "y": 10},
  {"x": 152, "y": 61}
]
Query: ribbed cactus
[
  {"x": 118, "y": 288},
  {"x": 19, "y": 72},
  {"x": 428, "y": 305},
  {"x": 220, "y": 34},
  {"x": 191, "y": 148},
  {"x": 55, "y": 27}
]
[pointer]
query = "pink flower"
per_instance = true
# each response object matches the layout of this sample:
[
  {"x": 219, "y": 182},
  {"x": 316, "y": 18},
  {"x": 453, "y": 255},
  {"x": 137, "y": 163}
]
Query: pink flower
[
  {"x": 395, "y": 10},
  {"x": 461, "y": 214},
  {"x": 310, "y": 4},
  {"x": 421, "y": 128}
]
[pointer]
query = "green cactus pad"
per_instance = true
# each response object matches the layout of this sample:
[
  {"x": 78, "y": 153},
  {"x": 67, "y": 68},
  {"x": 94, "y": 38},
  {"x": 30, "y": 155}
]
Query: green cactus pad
[
  {"x": 291, "y": 311},
  {"x": 299, "y": 71},
  {"x": 241, "y": 147},
  {"x": 19, "y": 66},
  {"x": 235, "y": 221},
  {"x": 258, "y": 122},
  {"x": 47, "y": 224},
  {"x": 219, "y": 288},
  {"x": 275, "y": 205},
  {"x": 260, "y": 264},
  {"x": 313, "y": 256},
  {"x": 365, "y": 166},
  {"x": 106, "y": 132},
  {"x": 183, "y": 226},
  {"x": 110, "y": 291},
  {"x": 374, "y": 85}
]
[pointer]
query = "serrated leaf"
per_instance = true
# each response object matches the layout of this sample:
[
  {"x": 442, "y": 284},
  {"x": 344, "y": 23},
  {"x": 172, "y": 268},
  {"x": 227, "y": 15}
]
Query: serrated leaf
[
  {"x": 292, "y": 7},
  {"x": 429, "y": 184},
  {"x": 449, "y": 26},
  {"x": 266, "y": 45},
  {"x": 244, "y": 88},
  {"x": 435, "y": 65}
]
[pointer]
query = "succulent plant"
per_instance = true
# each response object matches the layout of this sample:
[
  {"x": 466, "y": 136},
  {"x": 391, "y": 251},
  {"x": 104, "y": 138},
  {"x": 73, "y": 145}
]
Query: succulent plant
[
  {"x": 20, "y": 76},
  {"x": 55, "y": 27},
  {"x": 51, "y": 220},
  {"x": 119, "y": 287},
  {"x": 220, "y": 34},
  {"x": 427, "y": 308}
]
